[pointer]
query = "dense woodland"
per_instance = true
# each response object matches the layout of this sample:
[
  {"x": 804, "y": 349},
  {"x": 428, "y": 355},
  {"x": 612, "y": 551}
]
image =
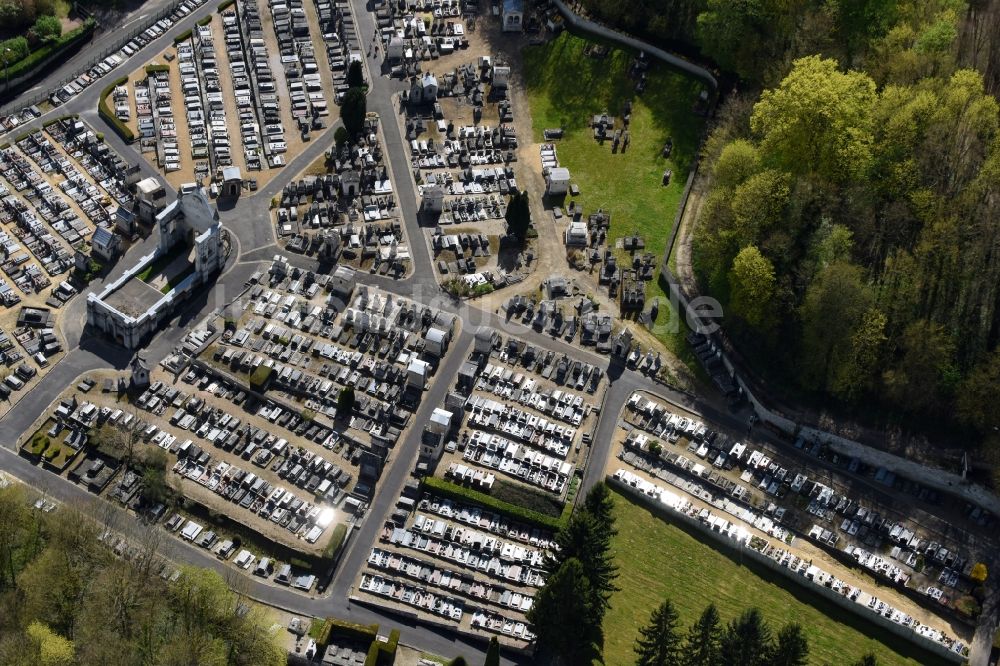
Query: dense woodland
[
  {"x": 67, "y": 599},
  {"x": 852, "y": 226}
]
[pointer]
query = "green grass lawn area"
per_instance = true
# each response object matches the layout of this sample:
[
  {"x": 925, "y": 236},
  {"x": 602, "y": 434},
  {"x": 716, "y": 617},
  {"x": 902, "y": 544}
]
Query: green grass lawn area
[
  {"x": 658, "y": 559},
  {"x": 566, "y": 87}
]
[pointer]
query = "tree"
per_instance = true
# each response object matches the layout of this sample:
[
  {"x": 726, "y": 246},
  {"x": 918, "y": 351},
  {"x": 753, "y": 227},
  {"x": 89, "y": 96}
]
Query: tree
[
  {"x": 353, "y": 109},
  {"x": 340, "y": 137},
  {"x": 584, "y": 539},
  {"x": 659, "y": 643},
  {"x": 751, "y": 284},
  {"x": 746, "y": 640},
  {"x": 53, "y": 649},
  {"x": 599, "y": 504},
  {"x": 518, "y": 215},
  {"x": 47, "y": 28},
  {"x": 14, "y": 522},
  {"x": 738, "y": 161},
  {"x": 834, "y": 306},
  {"x": 856, "y": 374},
  {"x": 493, "y": 652},
  {"x": 745, "y": 37},
  {"x": 759, "y": 204},
  {"x": 563, "y": 617},
  {"x": 345, "y": 401},
  {"x": 978, "y": 400},
  {"x": 819, "y": 120},
  {"x": 702, "y": 647},
  {"x": 458, "y": 661},
  {"x": 925, "y": 371},
  {"x": 791, "y": 647},
  {"x": 155, "y": 488},
  {"x": 979, "y": 573},
  {"x": 355, "y": 75}
]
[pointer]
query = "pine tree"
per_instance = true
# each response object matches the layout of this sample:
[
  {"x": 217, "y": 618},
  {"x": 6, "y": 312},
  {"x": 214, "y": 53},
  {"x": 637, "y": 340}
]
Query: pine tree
[
  {"x": 791, "y": 647},
  {"x": 701, "y": 648},
  {"x": 746, "y": 640},
  {"x": 563, "y": 619},
  {"x": 598, "y": 503},
  {"x": 867, "y": 660},
  {"x": 493, "y": 652},
  {"x": 659, "y": 643},
  {"x": 581, "y": 539},
  {"x": 518, "y": 215}
]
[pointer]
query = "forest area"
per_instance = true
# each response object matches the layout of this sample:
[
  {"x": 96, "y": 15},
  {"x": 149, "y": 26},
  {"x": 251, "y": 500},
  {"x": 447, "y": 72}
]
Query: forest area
[
  {"x": 67, "y": 598},
  {"x": 851, "y": 227}
]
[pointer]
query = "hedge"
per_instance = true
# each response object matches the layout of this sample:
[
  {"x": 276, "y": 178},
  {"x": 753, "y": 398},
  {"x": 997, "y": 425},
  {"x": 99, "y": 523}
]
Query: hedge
[
  {"x": 383, "y": 654},
  {"x": 120, "y": 128},
  {"x": 332, "y": 549},
  {"x": 38, "y": 56},
  {"x": 205, "y": 21},
  {"x": 364, "y": 632},
  {"x": 453, "y": 491},
  {"x": 154, "y": 69},
  {"x": 48, "y": 124},
  {"x": 183, "y": 37},
  {"x": 225, "y": 5}
]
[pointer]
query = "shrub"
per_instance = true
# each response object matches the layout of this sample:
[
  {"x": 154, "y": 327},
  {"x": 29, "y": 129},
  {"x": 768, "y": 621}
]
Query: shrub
[
  {"x": 225, "y": 5},
  {"x": 47, "y": 28},
  {"x": 155, "y": 68},
  {"x": 259, "y": 377},
  {"x": 120, "y": 128},
  {"x": 183, "y": 37},
  {"x": 333, "y": 627},
  {"x": 205, "y": 21},
  {"x": 37, "y": 57},
  {"x": 383, "y": 654},
  {"x": 453, "y": 491},
  {"x": 18, "y": 49}
]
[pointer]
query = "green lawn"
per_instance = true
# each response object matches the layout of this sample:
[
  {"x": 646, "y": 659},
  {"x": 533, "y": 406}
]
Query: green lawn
[
  {"x": 658, "y": 559},
  {"x": 566, "y": 87}
]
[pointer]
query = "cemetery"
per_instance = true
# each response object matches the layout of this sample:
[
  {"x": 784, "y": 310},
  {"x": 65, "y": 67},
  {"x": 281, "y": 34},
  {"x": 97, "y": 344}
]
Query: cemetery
[
  {"x": 616, "y": 187},
  {"x": 347, "y": 214},
  {"x": 215, "y": 108},
  {"x": 461, "y": 134},
  {"x": 518, "y": 416},
  {"x": 764, "y": 493},
  {"x": 457, "y": 564}
]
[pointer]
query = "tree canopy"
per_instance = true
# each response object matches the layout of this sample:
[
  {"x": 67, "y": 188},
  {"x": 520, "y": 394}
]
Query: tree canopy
[{"x": 353, "y": 109}]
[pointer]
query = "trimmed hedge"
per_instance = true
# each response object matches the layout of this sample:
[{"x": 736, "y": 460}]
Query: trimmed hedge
[
  {"x": 38, "y": 56},
  {"x": 48, "y": 124},
  {"x": 453, "y": 491},
  {"x": 225, "y": 5},
  {"x": 331, "y": 625},
  {"x": 383, "y": 654},
  {"x": 205, "y": 21},
  {"x": 155, "y": 69},
  {"x": 183, "y": 37},
  {"x": 120, "y": 128},
  {"x": 332, "y": 549}
]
